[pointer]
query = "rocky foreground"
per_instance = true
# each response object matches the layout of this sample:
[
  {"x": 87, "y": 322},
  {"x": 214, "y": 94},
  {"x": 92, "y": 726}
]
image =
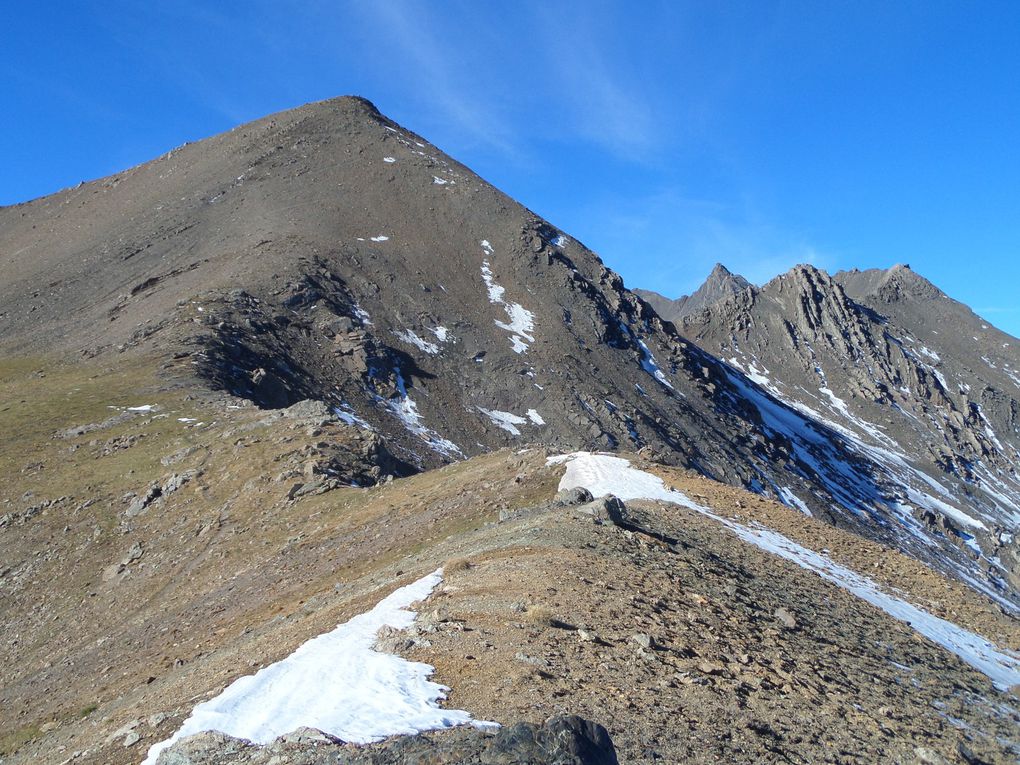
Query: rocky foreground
[{"x": 558, "y": 741}]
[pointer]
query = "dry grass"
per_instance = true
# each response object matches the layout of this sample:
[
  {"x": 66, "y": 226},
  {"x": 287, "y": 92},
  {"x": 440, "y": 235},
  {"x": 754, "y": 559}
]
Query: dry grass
[{"x": 540, "y": 616}]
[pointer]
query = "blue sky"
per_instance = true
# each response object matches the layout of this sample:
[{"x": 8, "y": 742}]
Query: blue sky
[{"x": 664, "y": 135}]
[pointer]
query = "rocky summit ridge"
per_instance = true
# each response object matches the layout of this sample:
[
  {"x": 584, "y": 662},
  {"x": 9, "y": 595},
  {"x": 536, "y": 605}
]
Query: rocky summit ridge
[
  {"x": 906, "y": 374},
  {"x": 719, "y": 285},
  {"x": 254, "y": 383}
]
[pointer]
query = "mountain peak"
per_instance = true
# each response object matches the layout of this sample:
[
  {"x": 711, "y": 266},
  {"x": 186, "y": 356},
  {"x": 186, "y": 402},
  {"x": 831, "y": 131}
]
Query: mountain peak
[
  {"x": 887, "y": 285},
  {"x": 720, "y": 284}
]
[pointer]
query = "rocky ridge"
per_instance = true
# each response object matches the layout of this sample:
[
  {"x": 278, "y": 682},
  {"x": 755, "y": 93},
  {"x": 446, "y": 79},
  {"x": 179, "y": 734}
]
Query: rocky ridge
[
  {"x": 910, "y": 377},
  {"x": 557, "y": 741},
  {"x": 719, "y": 285}
]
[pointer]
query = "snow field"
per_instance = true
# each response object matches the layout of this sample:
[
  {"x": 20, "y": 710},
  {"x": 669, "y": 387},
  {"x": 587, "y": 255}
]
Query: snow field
[{"x": 336, "y": 683}]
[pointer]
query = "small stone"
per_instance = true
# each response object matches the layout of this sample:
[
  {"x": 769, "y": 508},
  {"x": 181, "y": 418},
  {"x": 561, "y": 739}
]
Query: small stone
[
  {"x": 131, "y": 739},
  {"x": 785, "y": 617},
  {"x": 571, "y": 497},
  {"x": 133, "y": 554},
  {"x": 643, "y": 639},
  {"x": 711, "y": 667},
  {"x": 306, "y": 736},
  {"x": 111, "y": 572}
]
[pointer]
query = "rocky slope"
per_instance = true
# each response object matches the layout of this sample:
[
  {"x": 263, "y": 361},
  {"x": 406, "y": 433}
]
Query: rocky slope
[
  {"x": 558, "y": 741},
  {"x": 911, "y": 379},
  {"x": 659, "y": 625}
]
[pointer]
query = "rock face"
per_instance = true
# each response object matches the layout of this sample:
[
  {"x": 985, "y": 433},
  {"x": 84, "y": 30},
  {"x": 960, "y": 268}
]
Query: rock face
[
  {"x": 720, "y": 285},
  {"x": 328, "y": 254},
  {"x": 559, "y": 741},
  {"x": 909, "y": 379}
]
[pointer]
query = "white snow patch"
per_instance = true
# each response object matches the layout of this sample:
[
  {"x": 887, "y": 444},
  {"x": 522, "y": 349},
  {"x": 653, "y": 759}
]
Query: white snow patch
[
  {"x": 603, "y": 474},
  {"x": 535, "y": 417},
  {"x": 337, "y": 683},
  {"x": 406, "y": 410},
  {"x": 389, "y": 160},
  {"x": 411, "y": 338},
  {"x": 347, "y": 415},
  {"x": 495, "y": 291},
  {"x": 186, "y": 419},
  {"x": 648, "y": 364},
  {"x": 505, "y": 420},
  {"x": 792, "y": 500},
  {"x": 560, "y": 241},
  {"x": 486, "y": 247},
  {"x": 438, "y": 181},
  {"x": 362, "y": 314},
  {"x": 380, "y": 238},
  {"x": 522, "y": 321},
  {"x": 142, "y": 408},
  {"x": 442, "y": 333}
]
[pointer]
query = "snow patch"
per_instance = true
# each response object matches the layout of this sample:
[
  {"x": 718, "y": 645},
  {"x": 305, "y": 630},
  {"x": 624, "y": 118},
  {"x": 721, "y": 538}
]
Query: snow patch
[
  {"x": 436, "y": 180},
  {"x": 521, "y": 324},
  {"x": 792, "y": 500},
  {"x": 142, "y": 408},
  {"x": 412, "y": 339},
  {"x": 648, "y": 362},
  {"x": 337, "y": 683},
  {"x": 389, "y": 160},
  {"x": 505, "y": 420},
  {"x": 347, "y": 415},
  {"x": 442, "y": 333},
  {"x": 380, "y": 238},
  {"x": 535, "y": 417},
  {"x": 406, "y": 410},
  {"x": 651, "y": 367},
  {"x": 362, "y": 314}
]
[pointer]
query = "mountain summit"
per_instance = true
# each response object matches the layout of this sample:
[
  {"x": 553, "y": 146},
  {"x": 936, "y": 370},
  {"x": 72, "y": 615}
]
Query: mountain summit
[{"x": 719, "y": 285}]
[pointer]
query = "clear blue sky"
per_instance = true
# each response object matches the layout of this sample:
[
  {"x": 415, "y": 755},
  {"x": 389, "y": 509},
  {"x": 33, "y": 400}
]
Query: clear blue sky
[{"x": 758, "y": 134}]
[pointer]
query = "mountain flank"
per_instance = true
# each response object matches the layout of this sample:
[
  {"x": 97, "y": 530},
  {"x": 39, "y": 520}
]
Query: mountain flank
[{"x": 250, "y": 388}]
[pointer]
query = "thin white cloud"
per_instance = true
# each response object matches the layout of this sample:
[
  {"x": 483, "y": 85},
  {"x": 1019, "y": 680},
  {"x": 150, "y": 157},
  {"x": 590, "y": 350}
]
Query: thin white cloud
[
  {"x": 669, "y": 242},
  {"x": 409, "y": 31},
  {"x": 606, "y": 102}
]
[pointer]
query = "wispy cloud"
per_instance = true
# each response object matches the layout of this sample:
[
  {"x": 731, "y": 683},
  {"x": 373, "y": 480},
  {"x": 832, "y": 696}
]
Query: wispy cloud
[
  {"x": 409, "y": 31},
  {"x": 606, "y": 103},
  {"x": 669, "y": 242}
]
